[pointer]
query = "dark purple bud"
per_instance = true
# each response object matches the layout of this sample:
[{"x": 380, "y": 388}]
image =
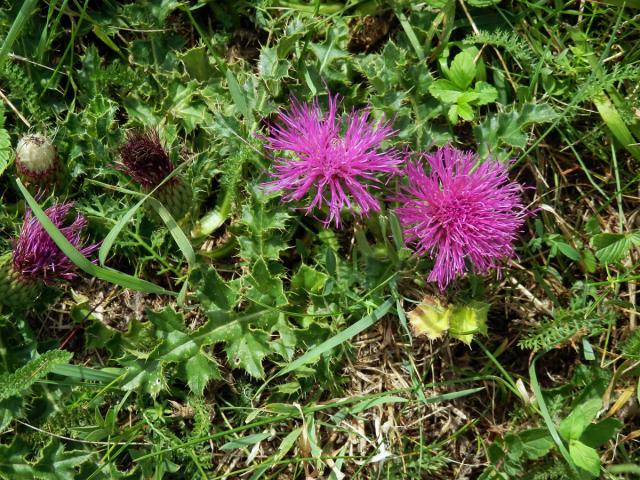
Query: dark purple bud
[{"x": 145, "y": 159}]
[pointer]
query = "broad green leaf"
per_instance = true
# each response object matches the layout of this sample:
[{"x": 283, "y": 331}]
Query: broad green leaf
[
  {"x": 308, "y": 280},
  {"x": 430, "y": 318},
  {"x": 568, "y": 251},
  {"x": 506, "y": 128},
  {"x": 146, "y": 375},
  {"x": 616, "y": 124},
  {"x": 589, "y": 261},
  {"x": 265, "y": 288},
  {"x": 485, "y": 93},
  {"x": 263, "y": 237},
  {"x": 597, "y": 434},
  {"x": 177, "y": 347},
  {"x": 184, "y": 105},
  {"x": 585, "y": 457},
  {"x": 245, "y": 336},
  {"x": 452, "y": 114},
  {"x": 53, "y": 462},
  {"x": 196, "y": 63},
  {"x": 246, "y": 349},
  {"x": 612, "y": 247},
  {"x": 445, "y": 91},
  {"x": 270, "y": 67},
  {"x": 465, "y": 111},
  {"x": 463, "y": 69},
  {"x": 166, "y": 321},
  {"x": 572, "y": 427},
  {"x": 214, "y": 293},
  {"x": 536, "y": 443}
]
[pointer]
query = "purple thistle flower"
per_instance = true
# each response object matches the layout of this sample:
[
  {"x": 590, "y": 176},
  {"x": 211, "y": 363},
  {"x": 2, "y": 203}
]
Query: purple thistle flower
[
  {"x": 35, "y": 254},
  {"x": 337, "y": 166},
  {"x": 145, "y": 159},
  {"x": 462, "y": 210}
]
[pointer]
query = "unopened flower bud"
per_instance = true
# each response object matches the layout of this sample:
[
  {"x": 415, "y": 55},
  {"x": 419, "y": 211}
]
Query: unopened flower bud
[
  {"x": 37, "y": 160},
  {"x": 146, "y": 161}
]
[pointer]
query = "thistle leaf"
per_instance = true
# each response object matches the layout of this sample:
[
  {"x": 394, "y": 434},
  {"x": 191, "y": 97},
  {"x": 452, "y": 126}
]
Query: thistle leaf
[
  {"x": 468, "y": 320},
  {"x": 430, "y": 318},
  {"x": 22, "y": 379}
]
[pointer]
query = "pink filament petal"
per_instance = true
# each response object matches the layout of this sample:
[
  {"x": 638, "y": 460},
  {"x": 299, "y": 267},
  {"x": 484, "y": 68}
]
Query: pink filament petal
[
  {"x": 461, "y": 213},
  {"x": 333, "y": 168}
]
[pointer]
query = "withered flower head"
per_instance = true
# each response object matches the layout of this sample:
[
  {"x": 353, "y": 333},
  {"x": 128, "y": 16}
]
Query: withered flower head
[{"x": 145, "y": 159}]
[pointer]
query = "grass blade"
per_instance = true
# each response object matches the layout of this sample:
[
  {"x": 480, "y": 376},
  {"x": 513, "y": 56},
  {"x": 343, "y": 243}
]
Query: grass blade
[
  {"x": 16, "y": 28},
  {"x": 615, "y": 124},
  {"x": 535, "y": 386},
  {"x": 84, "y": 374},
  {"x": 336, "y": 340},
  {"x": 80, "y": 261},
  {"x": 176, "y": 232}
]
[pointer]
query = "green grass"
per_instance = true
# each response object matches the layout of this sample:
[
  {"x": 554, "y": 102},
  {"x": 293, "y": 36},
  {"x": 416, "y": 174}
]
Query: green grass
[{"x": 246, "y": 340}]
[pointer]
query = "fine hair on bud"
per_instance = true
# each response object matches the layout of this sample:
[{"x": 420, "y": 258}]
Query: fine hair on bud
[{"x": 37, "y": 160}]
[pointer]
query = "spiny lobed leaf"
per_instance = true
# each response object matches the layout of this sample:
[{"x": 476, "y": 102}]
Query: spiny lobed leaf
[{"x": 18, "y": 382}]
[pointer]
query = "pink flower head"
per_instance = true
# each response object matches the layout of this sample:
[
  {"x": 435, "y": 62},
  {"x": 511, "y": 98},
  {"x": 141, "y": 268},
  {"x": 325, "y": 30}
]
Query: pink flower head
[
  {"x": 35, "y": 254},
  {"x": 338, "y": 166},
  {"x": 462, "y": 211}
]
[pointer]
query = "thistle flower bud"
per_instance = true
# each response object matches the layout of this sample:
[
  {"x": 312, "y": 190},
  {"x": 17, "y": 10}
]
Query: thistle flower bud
[
  {"x": 37, "y": 161},
  {"x": 146, "y": 161},
  {"x": 36, "y": 261}
]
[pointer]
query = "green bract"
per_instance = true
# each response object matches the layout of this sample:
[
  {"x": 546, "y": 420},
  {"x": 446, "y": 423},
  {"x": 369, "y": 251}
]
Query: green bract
[{"x": 17, "y": 293}]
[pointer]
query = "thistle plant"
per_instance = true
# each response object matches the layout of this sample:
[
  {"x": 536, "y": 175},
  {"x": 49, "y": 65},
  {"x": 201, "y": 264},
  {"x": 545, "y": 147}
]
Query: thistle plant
[
  {"x": 37, "y": 161},
  {"x": 336, "y": 165},
  {"x": 36, "y": 261},
  {"x": 147, "y": 162},
  {"x": 465, "y": 213}
]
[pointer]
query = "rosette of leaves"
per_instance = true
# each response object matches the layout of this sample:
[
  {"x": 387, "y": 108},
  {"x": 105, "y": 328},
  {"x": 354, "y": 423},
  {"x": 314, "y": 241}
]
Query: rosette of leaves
[{"x": 459, "y": 91}]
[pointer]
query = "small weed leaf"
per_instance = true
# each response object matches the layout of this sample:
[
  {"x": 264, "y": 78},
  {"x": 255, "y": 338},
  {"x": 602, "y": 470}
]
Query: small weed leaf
[
  {"x": 613, "y": 247},
  {"x": 506, "y": 129},
  {"x": 585, "y": 457}
]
